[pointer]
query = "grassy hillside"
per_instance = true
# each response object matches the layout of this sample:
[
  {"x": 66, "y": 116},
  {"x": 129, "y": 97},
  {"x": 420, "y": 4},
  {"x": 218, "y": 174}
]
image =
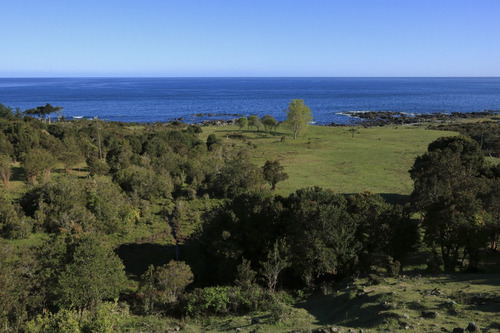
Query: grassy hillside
[
  {"x": 408, "y": 303},
  {"x": 364, "y": 159}
]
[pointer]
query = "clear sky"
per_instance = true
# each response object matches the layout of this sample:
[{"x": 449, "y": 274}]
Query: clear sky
[{"x": 249, "y": 38}]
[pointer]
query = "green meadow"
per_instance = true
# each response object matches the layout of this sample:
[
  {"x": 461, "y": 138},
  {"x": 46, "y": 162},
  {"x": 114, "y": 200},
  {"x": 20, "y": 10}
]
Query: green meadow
[{"x": 344, "y": 159}]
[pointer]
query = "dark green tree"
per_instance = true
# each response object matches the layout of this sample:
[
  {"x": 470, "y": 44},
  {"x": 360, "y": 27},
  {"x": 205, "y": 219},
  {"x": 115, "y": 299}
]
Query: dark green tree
[
  {"x": 269, "y": 123},
  {"x": 6, "y": 112},
  {"x": 449, "y": 180},
  {"x": 237, "y": 176},
  {"x": 273, "y": 173},
  {"x": 211, "y": 141},
  {"x": 320, "y": 233},
  {"x": 80, "y": 272}
]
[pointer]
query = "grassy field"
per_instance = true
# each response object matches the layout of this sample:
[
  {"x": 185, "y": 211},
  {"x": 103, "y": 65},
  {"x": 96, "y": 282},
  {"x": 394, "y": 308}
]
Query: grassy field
[{"x": 365, "y": 159}]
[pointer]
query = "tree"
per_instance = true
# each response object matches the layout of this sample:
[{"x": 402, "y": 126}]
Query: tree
[
  {"x": 164, "y": 284},
  {"x": 320, "y": 232},
  {"x": 245, "y": 277},
  {"x": 83, "y": 272},
  {"x": 43, "y": 111},
  {"x": 5, "y": 169},
  {"x": 38, "y": 162},
  {"x": 242, "y": 122},
  {"x": 237, "y": 176},
  {"x": 6, "y": 112},
  {"x": 211, "y": 141},
  {"x": 277, "y": 260},
  {"x": 273, "y": 173},
  {"x": 448, "y": 182},
  {"x": 269, "y": 122},
  {"x": 298, "y": 116},
  {"x": 254, "y": 122}
]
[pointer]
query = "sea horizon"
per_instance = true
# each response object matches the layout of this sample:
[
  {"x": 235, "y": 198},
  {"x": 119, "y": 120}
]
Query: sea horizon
[{"x": 197, "y": 99}]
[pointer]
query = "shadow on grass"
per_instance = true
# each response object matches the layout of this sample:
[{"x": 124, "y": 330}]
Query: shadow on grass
[
  {"x": 361, "y": 311},
  {"x": 253, "y": 135}
]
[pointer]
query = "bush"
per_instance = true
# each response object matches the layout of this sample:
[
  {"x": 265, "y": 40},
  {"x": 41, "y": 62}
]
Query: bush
[{"x": 226, "y": 300}]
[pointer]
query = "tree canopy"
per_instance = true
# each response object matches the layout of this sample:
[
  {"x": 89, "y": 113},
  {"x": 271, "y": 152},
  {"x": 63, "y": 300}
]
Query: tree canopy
[{"x": 298, "y": 116}]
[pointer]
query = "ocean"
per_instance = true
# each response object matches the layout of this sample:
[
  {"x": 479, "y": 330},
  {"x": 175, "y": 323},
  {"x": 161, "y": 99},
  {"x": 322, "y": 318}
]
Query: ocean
[{"x": 197, "y": 99}]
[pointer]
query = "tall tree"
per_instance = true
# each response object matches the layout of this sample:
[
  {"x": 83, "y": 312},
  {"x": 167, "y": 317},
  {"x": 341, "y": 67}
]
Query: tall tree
[
  {"x": 5, "y": 169},
  {"x": 298, "y": 116},
  {"x": 449, "y": 180}
]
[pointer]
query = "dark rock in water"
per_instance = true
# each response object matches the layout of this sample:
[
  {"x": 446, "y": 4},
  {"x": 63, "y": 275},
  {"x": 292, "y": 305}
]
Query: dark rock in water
[
  {"x": 430, "y": 314},
  {"x": 472, "y": 327},
  {"x": 458, "y": 330}
]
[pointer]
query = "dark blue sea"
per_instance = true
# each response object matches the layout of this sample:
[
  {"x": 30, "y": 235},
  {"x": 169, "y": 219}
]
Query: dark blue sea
[{"x": 198, "y": 99}]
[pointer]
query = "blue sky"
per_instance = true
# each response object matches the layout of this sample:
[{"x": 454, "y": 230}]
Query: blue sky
[{"x": 249, "y": 38}]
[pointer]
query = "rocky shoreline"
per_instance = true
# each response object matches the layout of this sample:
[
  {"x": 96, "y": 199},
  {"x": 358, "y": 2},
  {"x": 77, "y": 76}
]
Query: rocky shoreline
[
  {"x": 378, "y": 118},
  {"x": 382, "y": 118}
]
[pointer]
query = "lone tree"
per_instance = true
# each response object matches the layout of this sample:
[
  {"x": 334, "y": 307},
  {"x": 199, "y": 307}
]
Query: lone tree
[
  {"x": 43, "y": 111},
  {"x": 273, "y": 173},
  {"x": 299, "y": 115}
]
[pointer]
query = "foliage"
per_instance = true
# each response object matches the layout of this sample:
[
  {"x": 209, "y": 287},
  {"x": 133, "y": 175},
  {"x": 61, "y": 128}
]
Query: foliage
[
  {"x": 37, "y": 163},
  {"x": 254, "y": 121},
  {"x": 12, "y": 291},
  {"x": 211, "y": 141},
  {"x": 43, "y": 111},
  {"x": 245, "y": 276},
  {"x": 5, "y": 169},
  {"x": 448, "y": 185},
  {"x": 320, "y": 232},
  {"x": 80, "y": 272},
  {"x": 162, "y": 285},
  {"x": 97, "y": 166},
  {"x": 146, "y": 183},
  {"x": 237, "y": 176},
  {"x": 242, "y": 122},
  {"x": 277, "y": 260},
  {"x": 269, "y": 123},
  {"x": 6, "y": 112},
  {"x": 223, "y": 300},
  {"x": 273, "y": 173},
  {"x": 298, "y": 116},
  {"x": 381, "y": 228}
]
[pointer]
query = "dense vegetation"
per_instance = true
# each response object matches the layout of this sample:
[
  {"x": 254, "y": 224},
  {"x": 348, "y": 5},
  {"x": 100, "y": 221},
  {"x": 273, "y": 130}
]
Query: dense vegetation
[{"x": 110, "y": 226}]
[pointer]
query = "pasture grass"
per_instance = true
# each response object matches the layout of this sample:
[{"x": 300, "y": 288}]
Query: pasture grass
[{"x": 344, "y": 159}]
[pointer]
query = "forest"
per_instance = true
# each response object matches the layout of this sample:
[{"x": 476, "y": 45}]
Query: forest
[{"x": 128, "y": 227}]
